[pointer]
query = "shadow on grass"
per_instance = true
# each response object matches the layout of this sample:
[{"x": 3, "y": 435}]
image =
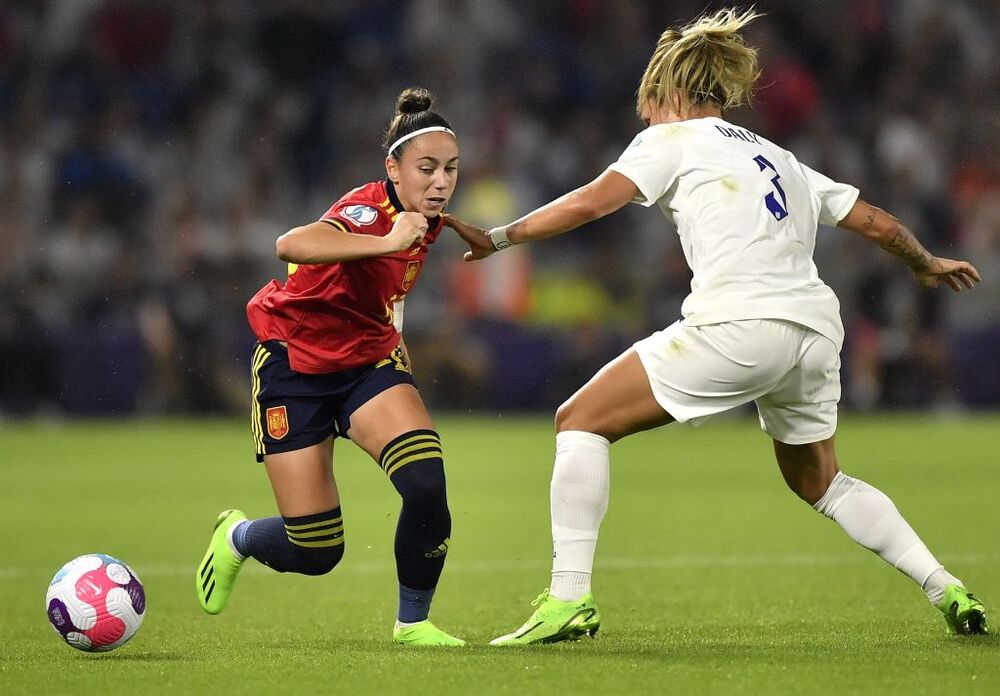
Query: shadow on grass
[
  {"x": 125, "y": 655},
  {"x": 687, "y": 649},
  {"x": 789, "y": 643},
  {"x": 790, "y": 646}
]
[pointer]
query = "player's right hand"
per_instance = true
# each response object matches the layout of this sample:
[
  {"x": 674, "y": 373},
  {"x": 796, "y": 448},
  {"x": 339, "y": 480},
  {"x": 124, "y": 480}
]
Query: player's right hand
[
  {"x": 408, "y": 230},
  {"x": 955, "y": 274},
  {"x": 480, "y": 245}
]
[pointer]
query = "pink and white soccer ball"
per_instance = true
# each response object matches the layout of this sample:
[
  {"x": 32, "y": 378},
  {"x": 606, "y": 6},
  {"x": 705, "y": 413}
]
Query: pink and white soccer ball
[{"x": 96, "y": 603}]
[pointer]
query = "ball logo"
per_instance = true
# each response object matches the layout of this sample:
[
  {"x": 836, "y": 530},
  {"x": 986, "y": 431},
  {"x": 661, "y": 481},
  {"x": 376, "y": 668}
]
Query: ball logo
[
  {"x": 92, "y": 589},
  {"x": 277, "y": 422},
  {"x": 118, "y": 573},
  {"x": 361, "y": 214}
]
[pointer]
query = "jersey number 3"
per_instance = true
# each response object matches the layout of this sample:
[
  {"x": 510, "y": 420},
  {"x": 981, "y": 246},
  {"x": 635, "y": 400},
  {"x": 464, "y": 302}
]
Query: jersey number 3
[{"x": 778, "y": 210}]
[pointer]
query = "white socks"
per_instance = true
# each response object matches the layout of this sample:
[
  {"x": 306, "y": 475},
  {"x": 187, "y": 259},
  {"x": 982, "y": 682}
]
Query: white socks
[
  {"x": 870, "y": 518},
  {"x": 935, "y": 584},
  {"x": 579, "y": 498}
]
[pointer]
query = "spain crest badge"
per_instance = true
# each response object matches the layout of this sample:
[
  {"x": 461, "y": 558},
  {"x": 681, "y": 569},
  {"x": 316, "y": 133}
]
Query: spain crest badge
[
  {"x": 412, "y": 268},
  {"x": 277, "y": 422}
]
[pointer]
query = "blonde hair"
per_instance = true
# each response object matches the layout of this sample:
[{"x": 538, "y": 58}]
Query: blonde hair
[{"x": 706, "y": 60}]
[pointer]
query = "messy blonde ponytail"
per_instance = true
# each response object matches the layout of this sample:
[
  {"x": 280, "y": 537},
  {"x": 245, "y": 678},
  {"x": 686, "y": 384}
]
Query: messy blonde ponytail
[{"x": 707, "y": 60}]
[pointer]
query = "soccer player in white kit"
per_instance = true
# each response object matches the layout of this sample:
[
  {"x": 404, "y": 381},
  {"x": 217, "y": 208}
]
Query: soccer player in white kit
[{"x": 759, "y": 324}]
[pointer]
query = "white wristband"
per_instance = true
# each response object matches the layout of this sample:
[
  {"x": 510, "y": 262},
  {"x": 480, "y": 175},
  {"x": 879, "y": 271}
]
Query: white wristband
[{"x": 498, "y": 235}]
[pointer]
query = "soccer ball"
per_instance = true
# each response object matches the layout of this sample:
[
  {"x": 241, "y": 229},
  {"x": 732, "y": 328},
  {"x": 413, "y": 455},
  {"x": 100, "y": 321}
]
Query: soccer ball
[{"x": 96, "y": 603}]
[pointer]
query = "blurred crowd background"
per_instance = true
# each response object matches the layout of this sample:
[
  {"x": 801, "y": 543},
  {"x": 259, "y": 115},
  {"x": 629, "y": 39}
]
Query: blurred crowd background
[{"x": 151, "y": 152}]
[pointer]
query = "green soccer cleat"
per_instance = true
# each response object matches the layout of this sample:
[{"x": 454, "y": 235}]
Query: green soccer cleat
[
  {"x": 964, "y": 614},
  {"x": 424, "y": 633},
  {"x": 218, "y": 569},
  {"x": 555, "y": 620}
]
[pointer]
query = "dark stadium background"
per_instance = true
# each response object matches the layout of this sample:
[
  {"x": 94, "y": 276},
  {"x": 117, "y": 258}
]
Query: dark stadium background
[{"x": 150, "y": 153}]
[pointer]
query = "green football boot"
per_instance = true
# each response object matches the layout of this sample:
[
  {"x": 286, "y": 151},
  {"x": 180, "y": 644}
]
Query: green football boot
[
  {"x": 964, "y": 614},
  {"x": 424, "y": 633},
  {"x": 555, "y": 620},
  {"x": 217, "y": 572}
]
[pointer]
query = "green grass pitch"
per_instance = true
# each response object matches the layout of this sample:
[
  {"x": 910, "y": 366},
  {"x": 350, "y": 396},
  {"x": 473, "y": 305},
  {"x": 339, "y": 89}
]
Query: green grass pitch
[{"x": 711, "y": 576}]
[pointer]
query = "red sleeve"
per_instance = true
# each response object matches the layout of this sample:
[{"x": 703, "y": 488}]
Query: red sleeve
[{"x": 358, "y": 217}]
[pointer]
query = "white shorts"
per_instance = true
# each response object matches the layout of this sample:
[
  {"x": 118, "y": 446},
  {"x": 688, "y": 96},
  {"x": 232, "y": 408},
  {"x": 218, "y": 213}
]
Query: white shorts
[{"x": 790, "y": 371}]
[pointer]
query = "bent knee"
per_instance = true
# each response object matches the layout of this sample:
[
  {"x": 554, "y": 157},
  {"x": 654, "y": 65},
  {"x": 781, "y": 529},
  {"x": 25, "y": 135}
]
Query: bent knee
[
  {"x": 572, "y": 415},
  {"x": 319, "y": 561},
  {"x": 810, "y": 492},
  {"x": 424, "y": 493},
  {"x": 421, "y": 482},
  {"x": 807, "y": 469},
  {"x": 561, "y": 414},
  {"x": 569, "y": 416}
]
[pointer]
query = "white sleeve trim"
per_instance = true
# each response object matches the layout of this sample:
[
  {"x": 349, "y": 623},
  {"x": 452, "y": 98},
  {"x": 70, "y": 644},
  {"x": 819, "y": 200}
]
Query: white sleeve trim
[
  {"x": 848, "y": 204},
  {"x": 645, "y": 197}
]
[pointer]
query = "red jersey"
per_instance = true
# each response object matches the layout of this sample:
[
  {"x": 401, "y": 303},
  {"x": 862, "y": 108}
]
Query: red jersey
[{"x": 338, "y": 316}]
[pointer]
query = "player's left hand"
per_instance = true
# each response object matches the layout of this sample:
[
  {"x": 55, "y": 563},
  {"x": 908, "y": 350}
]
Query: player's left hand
[
  {"x": 955, "y": 274},
  {"x": 480, "y": 245}
]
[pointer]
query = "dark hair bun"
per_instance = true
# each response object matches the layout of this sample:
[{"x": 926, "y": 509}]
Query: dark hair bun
[{"x": 413, "y": 100}]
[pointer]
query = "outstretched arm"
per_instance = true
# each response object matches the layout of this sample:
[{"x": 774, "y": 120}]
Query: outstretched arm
[
  {"x": 324, "y": 242},
  {"x": 890, "y": 234},
  {"x": 602, "y": 196}
]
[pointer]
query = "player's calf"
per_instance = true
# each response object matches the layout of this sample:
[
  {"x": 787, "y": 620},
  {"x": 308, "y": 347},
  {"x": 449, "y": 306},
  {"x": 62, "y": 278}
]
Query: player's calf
[
  {"x": 414, "y": 464},
  {"x": 308, "y": 545}
]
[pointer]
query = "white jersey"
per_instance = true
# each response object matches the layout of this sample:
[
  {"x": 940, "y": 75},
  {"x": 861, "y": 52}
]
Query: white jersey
[{"x": 746, "y": 212}]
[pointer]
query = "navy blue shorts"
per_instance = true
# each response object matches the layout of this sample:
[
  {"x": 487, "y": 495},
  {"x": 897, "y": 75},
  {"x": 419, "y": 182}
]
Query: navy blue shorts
[{"x": 293, "y": 410}]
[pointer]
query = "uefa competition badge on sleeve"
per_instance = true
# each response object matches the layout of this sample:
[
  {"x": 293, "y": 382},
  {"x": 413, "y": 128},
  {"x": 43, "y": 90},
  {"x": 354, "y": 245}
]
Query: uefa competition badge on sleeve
[{"x": 361, "y": 214}]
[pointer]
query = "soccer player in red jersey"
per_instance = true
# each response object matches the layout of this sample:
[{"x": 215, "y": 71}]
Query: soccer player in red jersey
[{"x": 331, "y": 362}]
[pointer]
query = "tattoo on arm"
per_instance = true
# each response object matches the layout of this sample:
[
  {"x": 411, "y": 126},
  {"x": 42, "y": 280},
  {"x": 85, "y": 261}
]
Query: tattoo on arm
[
  {"x": 870, "y": 220},
  {"x": 904, "y": 245}
]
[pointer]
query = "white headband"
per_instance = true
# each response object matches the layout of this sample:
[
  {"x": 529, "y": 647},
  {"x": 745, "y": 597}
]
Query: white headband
[{"x": 415, "y": 133}]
